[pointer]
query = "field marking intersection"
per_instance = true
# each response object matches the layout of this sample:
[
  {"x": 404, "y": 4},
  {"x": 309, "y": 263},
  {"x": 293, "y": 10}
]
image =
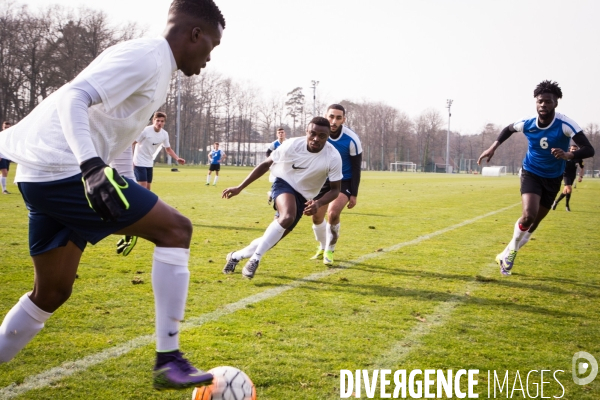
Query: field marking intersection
[{"x": 66, "y": 369}]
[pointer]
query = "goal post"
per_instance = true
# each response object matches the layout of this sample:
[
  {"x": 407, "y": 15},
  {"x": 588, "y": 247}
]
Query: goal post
[
  {"x": 403, "y": 166},
  {"x": 494, "y": 171}
]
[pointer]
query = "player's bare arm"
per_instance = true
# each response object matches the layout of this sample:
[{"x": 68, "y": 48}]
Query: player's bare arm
[
  {"x": 489, "y": 153},
  {"x": 175, "y": 156},
  {"x": 256, "y": 173},
  {"x": 312, "y": 206}
]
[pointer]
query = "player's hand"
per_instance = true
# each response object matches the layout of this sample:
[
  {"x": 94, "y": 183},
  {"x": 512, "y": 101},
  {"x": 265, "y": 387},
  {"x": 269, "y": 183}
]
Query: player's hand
[
  {"x": 580, "y": 178},
  {"x": 180, "y": 161},
  {"x": 488, "y": 154},
  {"x": 103, "y": 189},
  {"x": 311, "y": 207},
  {"x": 560, "y": 153},
  {"x": 352, "y": 202},
  {"x": 230, "y": 192},
  {"x": 126, "y": 244}
]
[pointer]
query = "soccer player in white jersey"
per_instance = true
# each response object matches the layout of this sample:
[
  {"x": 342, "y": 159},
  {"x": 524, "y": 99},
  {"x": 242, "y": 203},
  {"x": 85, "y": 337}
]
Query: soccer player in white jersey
[
  {"x": 147, "y": 146},
  {"x": 4, "y": 163},
  {"x": 348, "y": 144},
  {"x": 549, "y": 134},
  {"x": 300, "y": 166},
  {"x": 69, "y": 138}
]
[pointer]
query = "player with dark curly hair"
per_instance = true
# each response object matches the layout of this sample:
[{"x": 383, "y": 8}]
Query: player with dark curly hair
[{"x": 549, "y": 134}]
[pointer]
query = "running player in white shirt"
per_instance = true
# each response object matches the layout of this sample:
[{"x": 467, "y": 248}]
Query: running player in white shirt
[
  {"x": 4, "y": 163},
  {"x": 147, "y": 146},
  {"x": 70, "y": 137},
  {"x": 300, "y": 166}
]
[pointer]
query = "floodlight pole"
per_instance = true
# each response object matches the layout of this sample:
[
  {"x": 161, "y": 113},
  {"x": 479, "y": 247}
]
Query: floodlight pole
[
  {"x": 314, "y": 88},
  {"x": 448, "y": 105}
]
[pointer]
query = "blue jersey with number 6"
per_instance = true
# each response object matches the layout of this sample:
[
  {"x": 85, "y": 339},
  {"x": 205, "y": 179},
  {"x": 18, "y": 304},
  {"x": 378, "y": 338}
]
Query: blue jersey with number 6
[{"x": 539, "y": 159}]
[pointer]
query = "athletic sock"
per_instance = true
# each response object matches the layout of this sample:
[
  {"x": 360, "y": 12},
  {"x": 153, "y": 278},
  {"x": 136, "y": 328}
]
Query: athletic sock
[
  {"x": 525, "y": 239},
  {"x": 562, "y": 196},
  {"x": 207, "y": 179},
  {"x": 170, "y": 279},
  {"x": 333, "y": 234},
  {"x": 20, "y": 325},
  {"x": 216, "y": 179},
  {"x": 518, "y": 234},
  {"x": 321, "y": 234},
  {"x": 272, "y": 235},
  {"x": 3, "y": 180},
  {"x": 247, "y": 251},
  {"x": 568, "y": 198}
]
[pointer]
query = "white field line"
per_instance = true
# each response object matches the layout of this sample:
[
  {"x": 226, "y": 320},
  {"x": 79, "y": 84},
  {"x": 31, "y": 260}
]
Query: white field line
[{"x": 69, "y": 368}]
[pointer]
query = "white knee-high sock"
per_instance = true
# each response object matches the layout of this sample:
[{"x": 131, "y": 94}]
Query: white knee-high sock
[
  {"x": 247, "y": 251},
  {"x": 3, "y": 180},
  {"x": 272, "y": 235},
  {"x": 321, "y": 234},
  {"x": 525, "y": 239},
  {"x": 333, "y": 234},
  {"x": 20, "y": 325},
  {"x": 518, "y": 234},
  {"x": 170, "y": 279},
  {"x": 216, "y": 179},
  {"x": 208, "y": 178}
]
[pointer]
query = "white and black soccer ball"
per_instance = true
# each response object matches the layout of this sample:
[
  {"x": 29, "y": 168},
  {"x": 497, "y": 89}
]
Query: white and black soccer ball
[{"x": 229, "y": 383}]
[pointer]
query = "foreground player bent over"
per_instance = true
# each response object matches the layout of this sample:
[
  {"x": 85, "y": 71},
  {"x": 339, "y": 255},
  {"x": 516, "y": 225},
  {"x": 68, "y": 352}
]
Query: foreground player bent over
[{"x": 71, "y": 137}]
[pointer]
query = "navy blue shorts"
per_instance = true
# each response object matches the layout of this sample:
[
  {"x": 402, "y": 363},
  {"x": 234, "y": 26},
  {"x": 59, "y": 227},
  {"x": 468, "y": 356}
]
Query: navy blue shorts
[
  {"x": 143, "y": 174},
  {"x": 5, "y": 164},
  {"x": 59, "y": 212},
  {"x": 280, "y": 186}
]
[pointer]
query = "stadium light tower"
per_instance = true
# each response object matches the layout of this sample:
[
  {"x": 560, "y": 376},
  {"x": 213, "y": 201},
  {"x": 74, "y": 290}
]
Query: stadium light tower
[
  {"x": 314, "y": 88},
  {"x": 448, "y": 105}
]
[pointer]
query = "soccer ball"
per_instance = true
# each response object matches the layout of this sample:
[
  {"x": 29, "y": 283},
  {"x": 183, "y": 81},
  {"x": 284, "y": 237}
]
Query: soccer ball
[{"x": 229, "y": 383}]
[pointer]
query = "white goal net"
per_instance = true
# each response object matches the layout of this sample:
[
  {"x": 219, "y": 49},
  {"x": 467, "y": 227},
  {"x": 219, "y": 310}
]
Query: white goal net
[
  {"x": 493, "y": 171},
  {"x": 403, "y": 166}
]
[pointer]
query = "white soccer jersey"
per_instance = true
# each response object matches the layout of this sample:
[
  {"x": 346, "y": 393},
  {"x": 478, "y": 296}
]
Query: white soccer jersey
[
  {"x": 306, "y": 172},
  {"x": 123, "y": 163},
  {"x": 148, "y": 146},
  {"x": 132, "y": 78}
]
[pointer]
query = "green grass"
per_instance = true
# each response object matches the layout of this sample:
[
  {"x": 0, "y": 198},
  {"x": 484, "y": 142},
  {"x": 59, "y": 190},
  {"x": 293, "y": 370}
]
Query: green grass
[{"x": 438, "y": 303}]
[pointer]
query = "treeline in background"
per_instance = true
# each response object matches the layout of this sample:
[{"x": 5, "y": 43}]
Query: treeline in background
[{"x": 41, "y": 50}]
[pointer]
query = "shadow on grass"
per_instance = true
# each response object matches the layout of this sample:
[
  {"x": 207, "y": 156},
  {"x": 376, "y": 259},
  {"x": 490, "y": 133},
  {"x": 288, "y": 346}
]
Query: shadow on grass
[
  {"x": 374, "y": 291},
  {"x": 259, "y": 228}
]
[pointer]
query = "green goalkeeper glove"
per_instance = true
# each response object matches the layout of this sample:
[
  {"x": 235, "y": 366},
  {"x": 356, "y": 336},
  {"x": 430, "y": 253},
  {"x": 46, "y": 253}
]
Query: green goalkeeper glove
[{"x": 103, "y": 189}]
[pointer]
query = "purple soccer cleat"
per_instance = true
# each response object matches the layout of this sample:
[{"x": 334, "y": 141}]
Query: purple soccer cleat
[{"x": 178, "y": 373}]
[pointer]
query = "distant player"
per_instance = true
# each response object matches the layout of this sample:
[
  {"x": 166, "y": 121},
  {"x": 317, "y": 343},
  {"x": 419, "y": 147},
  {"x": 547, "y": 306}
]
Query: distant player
[
  {"x": 74, "y": 197},
  {"x": 300, "y": 166},
  {"x": 147, "y": 146},
  {"x": 348, "y": 145},
  {"x": 569, "y": 178},
  {"x": 4, "y": 163},
  {"x": 272, "y": 147},
  {"x": 215, "y": 157},
  {"x": 549, "y": 135}
]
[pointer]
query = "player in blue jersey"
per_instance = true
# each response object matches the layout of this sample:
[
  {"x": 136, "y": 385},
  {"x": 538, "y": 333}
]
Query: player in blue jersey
[
  {"x": 4, "y": 163},
  {"x": 549, "y": 134},
  {"x": 214, "y": 158},
  {"x": 348, "y": 145},
  {"x": 569, "y": 178},
  {"x": 272, "y": 147}
]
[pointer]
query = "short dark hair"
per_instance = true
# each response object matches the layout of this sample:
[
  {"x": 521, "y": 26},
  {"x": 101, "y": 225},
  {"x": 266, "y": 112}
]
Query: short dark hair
[
  {"x": 280, "y": 129},
  {"x": 205, "y": 10},
  {"x": 337, "y": 107},
  {"x": 548, "y": 87},
  {"x": 320, "y": 121},
  {"x": 159, "y": 114},
  {"x": 217, "y": 143},
  {"x": 6, "y": 123}
]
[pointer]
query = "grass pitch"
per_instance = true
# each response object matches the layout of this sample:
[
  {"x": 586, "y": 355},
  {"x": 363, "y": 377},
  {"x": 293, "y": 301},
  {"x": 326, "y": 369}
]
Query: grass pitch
[{"x": 417, "y": 289}]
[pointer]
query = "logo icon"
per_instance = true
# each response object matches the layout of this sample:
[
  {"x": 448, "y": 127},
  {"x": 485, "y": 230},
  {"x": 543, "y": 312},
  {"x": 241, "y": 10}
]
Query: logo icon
[
  {"x": 171, "y": 334},
  {"x": 582, "y": 367},
  {"x": 154, "y": 144},
  {"x": 294, "y": 166}
]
